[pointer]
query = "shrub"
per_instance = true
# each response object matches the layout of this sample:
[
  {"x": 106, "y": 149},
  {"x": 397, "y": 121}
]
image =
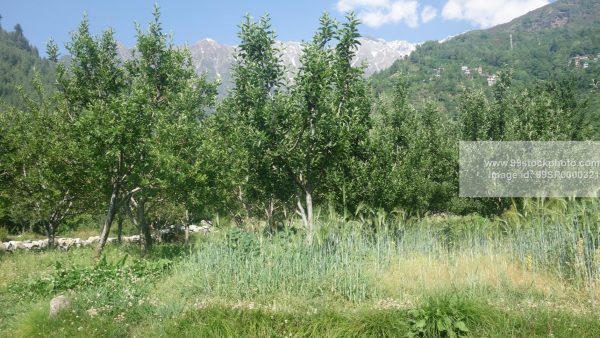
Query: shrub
[
  {"x": 443, "y": 316},
  {"x": 101, "y": 274},
  {"x": 242, "y": 241}
]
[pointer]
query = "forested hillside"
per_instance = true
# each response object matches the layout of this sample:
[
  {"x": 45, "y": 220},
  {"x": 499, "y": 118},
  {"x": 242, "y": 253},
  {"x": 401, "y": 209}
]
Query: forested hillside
[
  {"x": 558, "y": 41},
  {"x": 18, "y": 64}
]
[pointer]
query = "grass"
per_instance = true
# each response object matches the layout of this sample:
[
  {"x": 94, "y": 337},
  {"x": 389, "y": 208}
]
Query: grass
[{"x": 526, "y": 274}]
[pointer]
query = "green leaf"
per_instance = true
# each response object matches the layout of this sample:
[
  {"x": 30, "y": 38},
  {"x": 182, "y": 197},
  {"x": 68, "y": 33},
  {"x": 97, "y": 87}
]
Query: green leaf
[{"x": 460, "y": 325}]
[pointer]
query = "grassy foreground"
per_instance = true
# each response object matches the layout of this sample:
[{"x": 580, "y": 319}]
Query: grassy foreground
[{"x": 440, "y": 276}]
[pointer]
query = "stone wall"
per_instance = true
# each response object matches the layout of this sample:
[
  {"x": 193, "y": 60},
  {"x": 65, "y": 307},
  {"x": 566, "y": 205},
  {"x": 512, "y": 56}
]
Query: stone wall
[{"x": 67, "y": 243}]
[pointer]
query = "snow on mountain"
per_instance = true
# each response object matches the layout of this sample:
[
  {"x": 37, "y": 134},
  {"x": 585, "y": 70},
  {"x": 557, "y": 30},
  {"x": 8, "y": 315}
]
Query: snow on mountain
[{"x": 216, "y": 59}]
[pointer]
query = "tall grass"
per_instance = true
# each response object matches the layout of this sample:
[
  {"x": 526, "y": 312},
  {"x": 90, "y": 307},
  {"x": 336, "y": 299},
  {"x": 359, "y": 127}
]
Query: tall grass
[
  {"x": 365, "y": 261},
  {"x": 532, "y": 270}
]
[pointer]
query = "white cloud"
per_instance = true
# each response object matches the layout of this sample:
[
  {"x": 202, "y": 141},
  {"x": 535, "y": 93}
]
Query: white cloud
[
  {"x": 350, "y": 5},
  {"x": 489, "y": 13},
  {"x": 375, "y": 13},
  {"x": 428, "y": 13}
]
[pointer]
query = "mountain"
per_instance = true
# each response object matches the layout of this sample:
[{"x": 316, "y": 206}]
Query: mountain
[
  {"x": 216, "y": 59},
  {"x": 560, "y": 14},
  {"x": 19, "y": 61},
  {"x": 556, "y": 41}
]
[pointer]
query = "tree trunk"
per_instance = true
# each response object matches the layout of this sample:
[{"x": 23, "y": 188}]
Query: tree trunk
[
  {"x": 302, "y": 212},
  {"x": 306, "y": 213},
  {"x": 120, "y": 218},
  {"x": 50, "y": 232},
  {"x": 309, "y": 217},
  {"x": 269, "y": 210},
  {"x": 187, "y": 228},
  {"x": 110, "y": 215},
  {"x": 144, "y": 226},
  {"x": 244, "y": 205}
]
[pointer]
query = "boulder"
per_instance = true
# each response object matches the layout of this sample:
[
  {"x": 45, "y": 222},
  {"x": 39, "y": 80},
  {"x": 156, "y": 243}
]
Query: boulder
[{"x": 59, "y": 304}]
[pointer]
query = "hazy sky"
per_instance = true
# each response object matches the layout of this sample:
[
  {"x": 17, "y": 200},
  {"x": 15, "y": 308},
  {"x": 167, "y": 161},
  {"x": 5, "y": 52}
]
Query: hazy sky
[{"x": 190, "y": 21}]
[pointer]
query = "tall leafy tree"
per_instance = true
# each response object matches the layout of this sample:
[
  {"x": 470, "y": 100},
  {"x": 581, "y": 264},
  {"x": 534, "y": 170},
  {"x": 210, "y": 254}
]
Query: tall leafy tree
[
  {"x": 546, "y": 111},
  {"x": 413, "y": 156},
  {"x": 43, "y": 169},
  {"x": 327, "y": 116},
  {"x": 93, "y": 90},
  {"x": 169, "y": 100},
  {"x": 246, "y": 119},
  {"x": 124, "y": 112}
]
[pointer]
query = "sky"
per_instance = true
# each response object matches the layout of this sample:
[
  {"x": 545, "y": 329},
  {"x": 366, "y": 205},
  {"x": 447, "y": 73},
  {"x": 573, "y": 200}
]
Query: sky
[{"x": 190, "y": 21}]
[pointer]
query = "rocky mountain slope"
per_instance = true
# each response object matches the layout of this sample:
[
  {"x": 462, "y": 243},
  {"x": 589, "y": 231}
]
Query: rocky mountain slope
[
  {"x": 216, "y": 59},
  {"x": 554, "y": 42}
]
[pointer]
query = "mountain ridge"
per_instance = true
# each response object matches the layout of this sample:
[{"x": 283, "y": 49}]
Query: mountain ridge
[
  {"x": 556, "y": 41},
  {"x": 215, "y": 59}
]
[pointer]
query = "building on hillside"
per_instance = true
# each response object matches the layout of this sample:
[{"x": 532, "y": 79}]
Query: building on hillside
[
  {"x": 491, "y": 79},
  {"x": 580, "y": 61},
  {"x": 480, "y": 71}
]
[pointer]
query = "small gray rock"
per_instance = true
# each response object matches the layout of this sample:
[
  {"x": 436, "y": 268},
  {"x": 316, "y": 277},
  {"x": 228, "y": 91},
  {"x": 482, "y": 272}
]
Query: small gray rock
[{"x": 59, "y": 304}]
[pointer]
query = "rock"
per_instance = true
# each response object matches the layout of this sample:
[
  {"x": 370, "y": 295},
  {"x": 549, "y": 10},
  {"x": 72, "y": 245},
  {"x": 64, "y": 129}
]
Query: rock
[
  {"x": 59, "y": 304},
  {"x": 8, "y": 246},
  {"x": 28, "y": 245},
  {"x": 2, "y": 247},
  {"x": 14, "y": 245},
  {"x": 204, "y": 228},
  {"x": 67, "y": 243},
  {"x": 43, "y": 243},
  {"x": 132, "y": 239},
  {"x": 35, "y": 245},
  {"x": 93, "y": 239}
]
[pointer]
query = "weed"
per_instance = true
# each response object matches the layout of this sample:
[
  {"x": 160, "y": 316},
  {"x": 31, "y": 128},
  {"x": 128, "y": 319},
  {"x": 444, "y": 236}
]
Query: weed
[{"x": 443, "y": 316}]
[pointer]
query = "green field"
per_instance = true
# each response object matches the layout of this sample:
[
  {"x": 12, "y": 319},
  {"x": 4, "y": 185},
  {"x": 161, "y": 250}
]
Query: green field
[{"x": 525, "y": 274}]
